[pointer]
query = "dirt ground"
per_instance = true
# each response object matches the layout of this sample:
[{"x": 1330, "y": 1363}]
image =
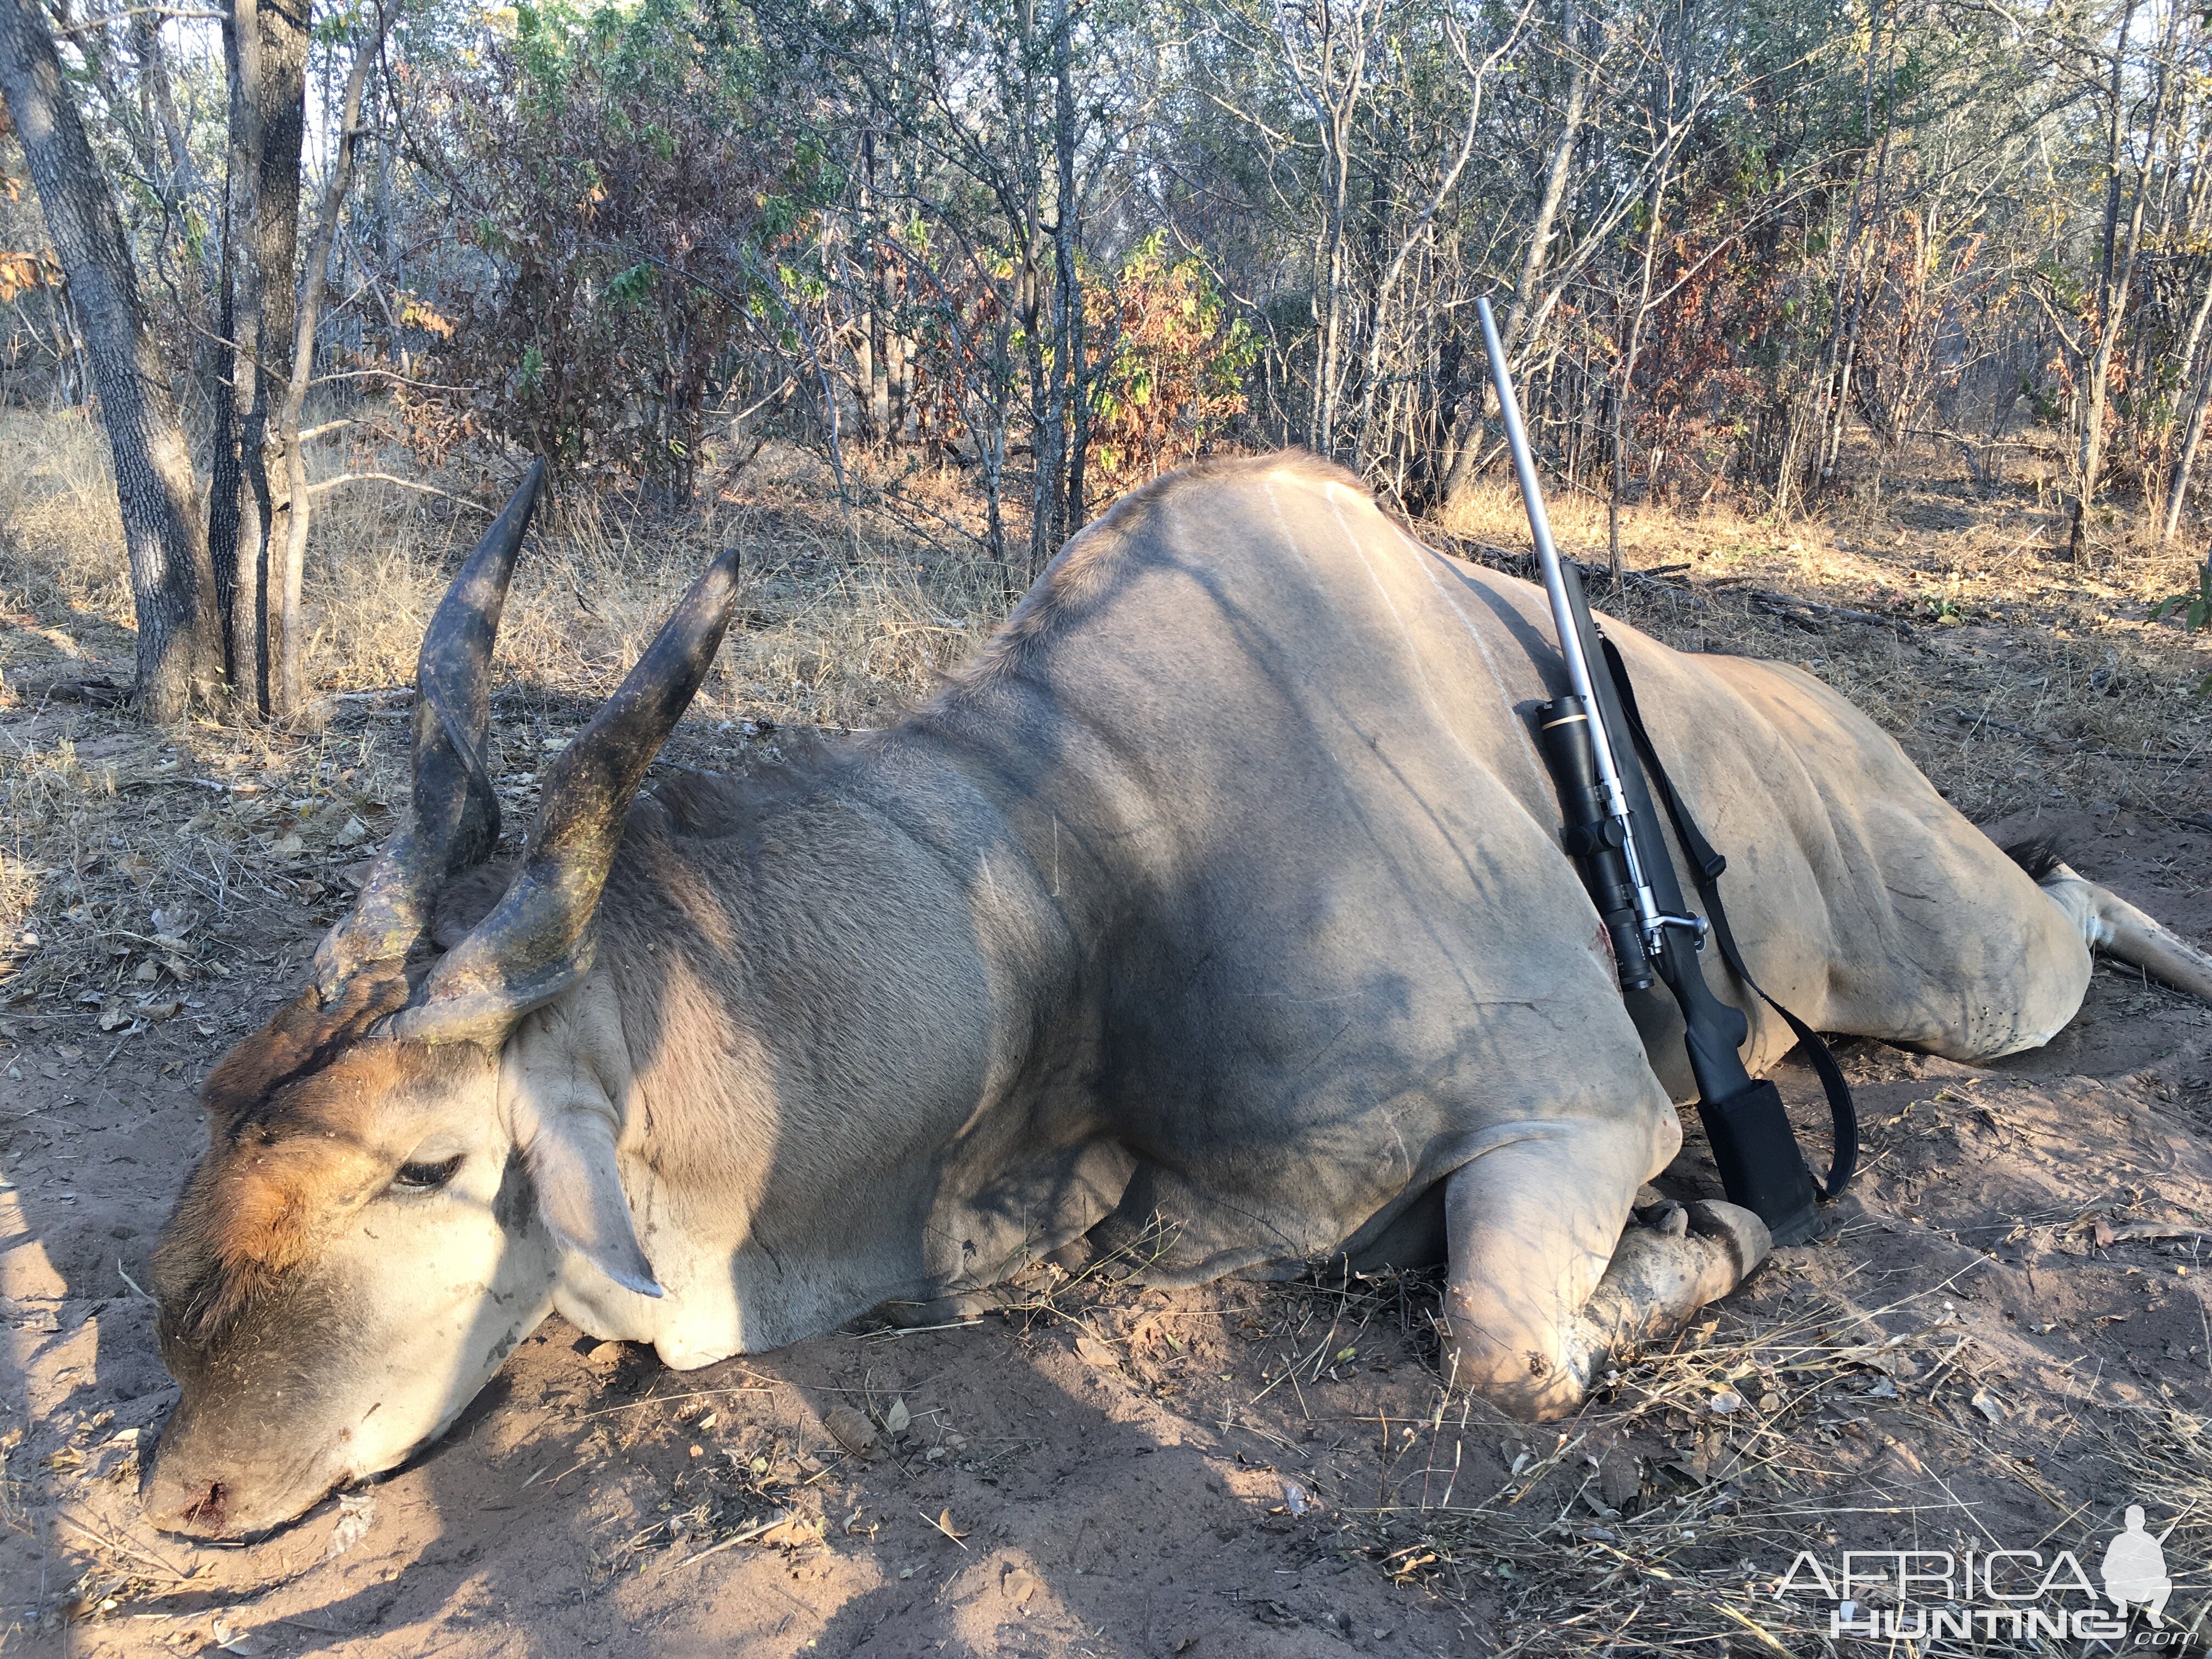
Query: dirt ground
[{"x": 2004, "y": 1342}]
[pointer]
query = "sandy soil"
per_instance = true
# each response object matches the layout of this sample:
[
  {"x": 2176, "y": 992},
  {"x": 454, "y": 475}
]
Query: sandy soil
[{"x": 1129, "y": 1473}]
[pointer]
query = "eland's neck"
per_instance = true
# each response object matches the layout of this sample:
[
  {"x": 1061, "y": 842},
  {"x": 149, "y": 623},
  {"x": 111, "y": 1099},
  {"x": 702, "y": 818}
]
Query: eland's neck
[{"x": 838, "y": 991}]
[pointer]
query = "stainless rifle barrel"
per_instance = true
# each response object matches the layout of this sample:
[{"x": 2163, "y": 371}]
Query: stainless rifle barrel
[{"x": 1563, "y": 615}]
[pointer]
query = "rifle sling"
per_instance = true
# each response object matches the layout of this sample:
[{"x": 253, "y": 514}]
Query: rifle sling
[{"x": 1706, "y": 865}]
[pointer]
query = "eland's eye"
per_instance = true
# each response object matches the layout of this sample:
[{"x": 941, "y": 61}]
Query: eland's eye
[{"x": 427, "y": 1178}]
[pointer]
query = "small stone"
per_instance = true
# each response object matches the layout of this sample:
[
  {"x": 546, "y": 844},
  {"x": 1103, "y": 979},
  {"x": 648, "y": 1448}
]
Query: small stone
[{"x": 606, "y": 1356}]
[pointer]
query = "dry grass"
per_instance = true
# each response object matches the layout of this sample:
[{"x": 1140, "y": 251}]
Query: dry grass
[
  {"x": 218, "y": 837},
  {"x": 838, "y": 622},
  {"x": 1666, "y": 1514},
  {"x": 61, "y": 536},
  {"x": 2013, "y": 677}
]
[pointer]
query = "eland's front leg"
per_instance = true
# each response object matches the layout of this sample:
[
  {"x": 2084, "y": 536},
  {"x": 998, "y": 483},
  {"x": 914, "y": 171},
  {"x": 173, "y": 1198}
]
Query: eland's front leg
[{"x": 1549, "y": 1276}]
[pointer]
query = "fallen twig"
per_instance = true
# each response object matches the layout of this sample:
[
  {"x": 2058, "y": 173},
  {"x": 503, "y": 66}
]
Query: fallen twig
[
  {"x": 1789, "y": 604},
  {"x": 102, "y": 693},
  {"x": 749, "y": 1535},
  {"x": 403, "y": 484},
  {"x": 1966, "y": 718},
  {"x": 677, "y": 1399},
  {"x": 946, "y": 1530}
]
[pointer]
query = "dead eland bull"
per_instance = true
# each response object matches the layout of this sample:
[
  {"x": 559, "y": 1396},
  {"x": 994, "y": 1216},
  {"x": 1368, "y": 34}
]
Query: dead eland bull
[{"x": 1219, "y": 903}]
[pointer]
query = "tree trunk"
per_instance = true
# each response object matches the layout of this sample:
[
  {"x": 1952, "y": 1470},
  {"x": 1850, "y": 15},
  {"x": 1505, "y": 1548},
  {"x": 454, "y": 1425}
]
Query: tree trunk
[
  {"x": 173, "y": 590},
  {"x": 1322, "y": 432},
  {"x": 1628, "y": 369},
  {"x": 265, "y": 55},
  {"x": 2090, "y": 456},
  {"x": 876, "y": 342},
  {"x": 1386, "y": 284},
  {"x": 1555, "y": 192},
  {"x": 1333, "y": 109},
  {"x": 280, "y": 97},
  {"x": 183, "y": 184},
  {"x": 1034, "y": 306},
  {"x": 1075, "y": 419},
  {"x": 1825, "y": 404},
  {"x": 1846, "y": 363},
  {"x": 1461, "y": 476},
  {"x": 2116, "y": 275},
  {"x": 288, "y": 674},
  {"x": 2177, "y": 496},
  {"x": 154, "y": 83}
]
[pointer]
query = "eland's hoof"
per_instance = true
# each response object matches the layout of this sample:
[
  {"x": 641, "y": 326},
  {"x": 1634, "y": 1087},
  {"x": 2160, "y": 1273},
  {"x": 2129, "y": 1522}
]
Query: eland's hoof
[{"x": 1740, "y": 1233}]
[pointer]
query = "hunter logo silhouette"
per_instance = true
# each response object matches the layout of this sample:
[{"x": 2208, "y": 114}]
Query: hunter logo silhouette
[{"x": 2134, "y": 1569}]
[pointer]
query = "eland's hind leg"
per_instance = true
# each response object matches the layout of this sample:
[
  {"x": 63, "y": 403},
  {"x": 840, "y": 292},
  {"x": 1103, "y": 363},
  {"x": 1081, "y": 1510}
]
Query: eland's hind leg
[
  {"x": 2109, "y": 923},
  {"x": 1544, "y": 1282}
]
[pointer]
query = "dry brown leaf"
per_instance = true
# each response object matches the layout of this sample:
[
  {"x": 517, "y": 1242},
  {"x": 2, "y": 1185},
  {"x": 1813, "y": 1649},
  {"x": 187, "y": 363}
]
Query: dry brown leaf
[
  {"x": 231, "y": 1639},
  {"x": 849, "y": 1429},
  {"x": 798, "y": 1530},
  {"x": 1091, "y": 1352}
]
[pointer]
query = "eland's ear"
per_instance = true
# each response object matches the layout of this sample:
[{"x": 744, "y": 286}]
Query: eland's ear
[
  {"x": 580, "y": 1197},
  {"x": 560, "y": 1077}
]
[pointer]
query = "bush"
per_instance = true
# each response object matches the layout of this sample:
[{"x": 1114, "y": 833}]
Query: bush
[
  {"x": 633, "y": 208},
  {"x": 1169, "y": 374}
]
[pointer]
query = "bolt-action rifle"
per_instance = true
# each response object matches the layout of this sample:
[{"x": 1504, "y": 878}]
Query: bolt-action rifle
[{"x": 1595, "y": 741}]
